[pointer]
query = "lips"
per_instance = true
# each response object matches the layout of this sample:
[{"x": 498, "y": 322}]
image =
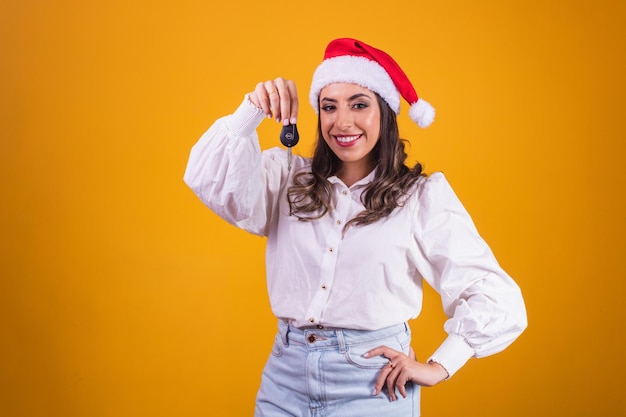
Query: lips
[{"x": 347, "y": 140}]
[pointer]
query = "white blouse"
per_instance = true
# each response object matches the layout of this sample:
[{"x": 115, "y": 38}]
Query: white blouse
[{"x": 370, "y": 276}]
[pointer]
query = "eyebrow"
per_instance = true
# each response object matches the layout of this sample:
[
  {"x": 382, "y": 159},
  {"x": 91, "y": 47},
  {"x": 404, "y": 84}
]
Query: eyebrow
[{"x": 353, "y": 97}]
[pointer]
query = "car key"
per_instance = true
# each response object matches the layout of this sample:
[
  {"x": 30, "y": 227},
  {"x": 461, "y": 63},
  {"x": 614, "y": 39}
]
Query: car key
[{"x": 289, "y": 137}]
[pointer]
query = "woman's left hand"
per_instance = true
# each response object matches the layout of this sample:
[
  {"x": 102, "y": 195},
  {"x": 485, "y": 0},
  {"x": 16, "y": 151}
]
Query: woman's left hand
[{"x": 404, "y": 368}]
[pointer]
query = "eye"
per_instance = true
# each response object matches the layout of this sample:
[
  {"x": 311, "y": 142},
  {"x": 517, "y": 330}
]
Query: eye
[
  {"x": 360, "y": 105},
  {"x": 328, "y": 107}
]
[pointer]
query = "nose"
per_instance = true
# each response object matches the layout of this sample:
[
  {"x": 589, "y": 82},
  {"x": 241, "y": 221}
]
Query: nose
[{"x": 344, "y": 118}]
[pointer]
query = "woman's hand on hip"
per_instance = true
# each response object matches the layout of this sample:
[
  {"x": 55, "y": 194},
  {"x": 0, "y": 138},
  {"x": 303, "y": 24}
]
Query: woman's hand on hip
[
  {"x": 402, "y": 369},
  {"x": 278, "y": 99}
]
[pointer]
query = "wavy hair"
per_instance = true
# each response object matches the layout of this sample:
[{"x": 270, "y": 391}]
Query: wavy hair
[{"x": 310, "y": 196}]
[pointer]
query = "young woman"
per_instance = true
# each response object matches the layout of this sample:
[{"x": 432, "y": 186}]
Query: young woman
[{"x": 351, "y": 234}]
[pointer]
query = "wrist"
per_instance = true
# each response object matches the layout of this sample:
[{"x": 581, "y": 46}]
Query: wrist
[
  {"x": 245, "y": 119},
  {"x": 453, "y": 353},
  {"x": 442, "y": 372}
]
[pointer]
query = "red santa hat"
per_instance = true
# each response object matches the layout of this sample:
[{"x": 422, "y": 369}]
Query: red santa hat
[{"x": 351, "y": 61}]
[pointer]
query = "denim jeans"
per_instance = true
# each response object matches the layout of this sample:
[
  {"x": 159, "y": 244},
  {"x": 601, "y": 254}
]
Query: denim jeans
[{"x": 322, "y": 373}]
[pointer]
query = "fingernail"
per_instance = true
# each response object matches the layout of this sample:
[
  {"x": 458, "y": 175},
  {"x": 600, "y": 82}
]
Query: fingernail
[
  {"x": 366, "y": 355},
  {"x": 293, "y": 120},
  {"x": 285, "y": 122}
]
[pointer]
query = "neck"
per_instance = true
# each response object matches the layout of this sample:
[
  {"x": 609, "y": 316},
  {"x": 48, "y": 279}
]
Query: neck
[{"x": 350, "y": 173}]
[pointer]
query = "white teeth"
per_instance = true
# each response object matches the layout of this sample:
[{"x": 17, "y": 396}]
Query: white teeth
[{"x": 346, "y": 139}]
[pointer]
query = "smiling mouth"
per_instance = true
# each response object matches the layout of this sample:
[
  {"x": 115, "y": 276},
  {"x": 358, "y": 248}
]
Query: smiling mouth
[{"x": 347, "y": 140}]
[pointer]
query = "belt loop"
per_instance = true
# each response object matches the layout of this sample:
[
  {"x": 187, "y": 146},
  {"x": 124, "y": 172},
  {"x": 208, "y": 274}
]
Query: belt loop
[
  {"x": 341, "y": 340},
  {"x": 283, "y": 329}
]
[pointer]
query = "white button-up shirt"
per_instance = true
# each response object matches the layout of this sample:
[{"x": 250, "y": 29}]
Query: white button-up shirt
[{"x": 365, "y": 277}]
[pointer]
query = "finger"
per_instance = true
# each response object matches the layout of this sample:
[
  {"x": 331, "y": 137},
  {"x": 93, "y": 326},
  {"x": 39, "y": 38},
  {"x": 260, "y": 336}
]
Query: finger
[
  {"x": 284, "y": 100},
  {"x": 281, "y": 100},
  {"x": 254, "y": 99},
  {"x": 273, "y": 95},
  {"x": 295, "y": 104},
  {"x": 263, "y": 101},
  {"x": 381, "y": 351},
  {"x": 401, "y": 385},
  {"x": 391, "y": 380},
  {"x": 402, "y": 390},
  {"x": 382, "y": 378}
]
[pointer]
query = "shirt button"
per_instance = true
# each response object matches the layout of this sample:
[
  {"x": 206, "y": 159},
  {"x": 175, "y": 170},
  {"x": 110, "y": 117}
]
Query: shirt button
[
  {"x": 319, "y": 326},
  {"x": 338, "y": 221},
  {"x": 311, "y": 320},
  {"x": 331, "y": 250},
  {"x": 344, "y": 192},
  {"x": 324, "y": 286}
]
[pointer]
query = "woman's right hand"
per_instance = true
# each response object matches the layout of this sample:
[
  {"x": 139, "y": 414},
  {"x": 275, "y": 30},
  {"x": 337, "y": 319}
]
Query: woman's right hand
[{"x": 278, "y": 99}]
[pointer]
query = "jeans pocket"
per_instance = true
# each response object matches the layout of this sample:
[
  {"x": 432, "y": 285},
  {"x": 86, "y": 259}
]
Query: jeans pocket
[{"x": 354, "y": 354}]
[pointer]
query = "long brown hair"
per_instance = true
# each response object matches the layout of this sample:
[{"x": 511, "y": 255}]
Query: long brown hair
[{"x": 310, "y": 196}]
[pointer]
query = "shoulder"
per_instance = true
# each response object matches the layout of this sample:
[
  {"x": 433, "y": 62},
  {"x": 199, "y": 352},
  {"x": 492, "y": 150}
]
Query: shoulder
[
  {"x": 433, "y": 192},
  {"x": 430, "y": 184}
]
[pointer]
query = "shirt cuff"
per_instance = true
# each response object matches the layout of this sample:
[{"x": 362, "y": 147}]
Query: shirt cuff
[
  {"x": 245, "y": 120},
  {"x": 453, "y": 353}
]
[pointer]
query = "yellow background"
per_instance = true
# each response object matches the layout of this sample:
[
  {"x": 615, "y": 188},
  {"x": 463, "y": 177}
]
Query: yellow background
[{"x": 121, "y": 295}]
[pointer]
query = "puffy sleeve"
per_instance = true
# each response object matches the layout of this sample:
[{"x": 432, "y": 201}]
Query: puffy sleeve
[
  {"x": 484, "y": 306},
  {"x": 229, "y": 173}
]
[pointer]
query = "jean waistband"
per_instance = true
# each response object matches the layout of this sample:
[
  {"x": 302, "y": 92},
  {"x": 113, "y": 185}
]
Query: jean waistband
[{"x": 327, "y": 337}]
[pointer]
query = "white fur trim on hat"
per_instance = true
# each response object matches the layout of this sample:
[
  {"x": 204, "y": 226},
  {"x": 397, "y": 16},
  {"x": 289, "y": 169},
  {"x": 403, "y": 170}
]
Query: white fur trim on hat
[
  {"x": 357, "y": 70},
  {"x": 422, "y": 113}
]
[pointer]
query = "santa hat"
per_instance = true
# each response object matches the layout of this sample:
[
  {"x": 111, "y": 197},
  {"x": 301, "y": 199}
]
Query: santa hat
[{"x": 351, "y": 61}]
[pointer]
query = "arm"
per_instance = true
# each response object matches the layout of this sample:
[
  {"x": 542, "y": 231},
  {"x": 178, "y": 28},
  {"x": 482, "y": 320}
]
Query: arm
[
  {"x": 226, "y": 168},
  {"x": 485, "y": 308}
]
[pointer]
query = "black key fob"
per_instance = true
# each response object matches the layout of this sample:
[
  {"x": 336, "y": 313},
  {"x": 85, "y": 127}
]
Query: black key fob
[{"x": 289, "y": 135}]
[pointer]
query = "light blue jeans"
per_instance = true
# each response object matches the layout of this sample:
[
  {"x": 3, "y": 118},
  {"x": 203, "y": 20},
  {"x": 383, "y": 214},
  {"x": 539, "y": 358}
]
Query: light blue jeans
[{"x": 322, "y": 373}]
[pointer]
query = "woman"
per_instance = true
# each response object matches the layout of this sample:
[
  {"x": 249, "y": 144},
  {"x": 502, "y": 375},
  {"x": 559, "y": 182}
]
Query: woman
[{"x": 351, "y": 235}]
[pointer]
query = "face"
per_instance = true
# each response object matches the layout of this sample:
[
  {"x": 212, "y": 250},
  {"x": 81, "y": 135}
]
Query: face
[{"x": 350, "y": 123}]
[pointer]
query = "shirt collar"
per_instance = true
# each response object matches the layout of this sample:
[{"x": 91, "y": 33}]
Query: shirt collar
[{"x": 360, "y": 183}]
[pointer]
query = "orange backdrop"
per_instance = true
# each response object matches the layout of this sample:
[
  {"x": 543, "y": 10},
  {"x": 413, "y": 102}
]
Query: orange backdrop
[{"x": 121, "y": 295}]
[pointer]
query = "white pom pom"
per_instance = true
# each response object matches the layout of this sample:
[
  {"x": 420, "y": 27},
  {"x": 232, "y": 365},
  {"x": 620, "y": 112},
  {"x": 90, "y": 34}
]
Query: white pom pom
[{"x": 422, "y": 113}]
